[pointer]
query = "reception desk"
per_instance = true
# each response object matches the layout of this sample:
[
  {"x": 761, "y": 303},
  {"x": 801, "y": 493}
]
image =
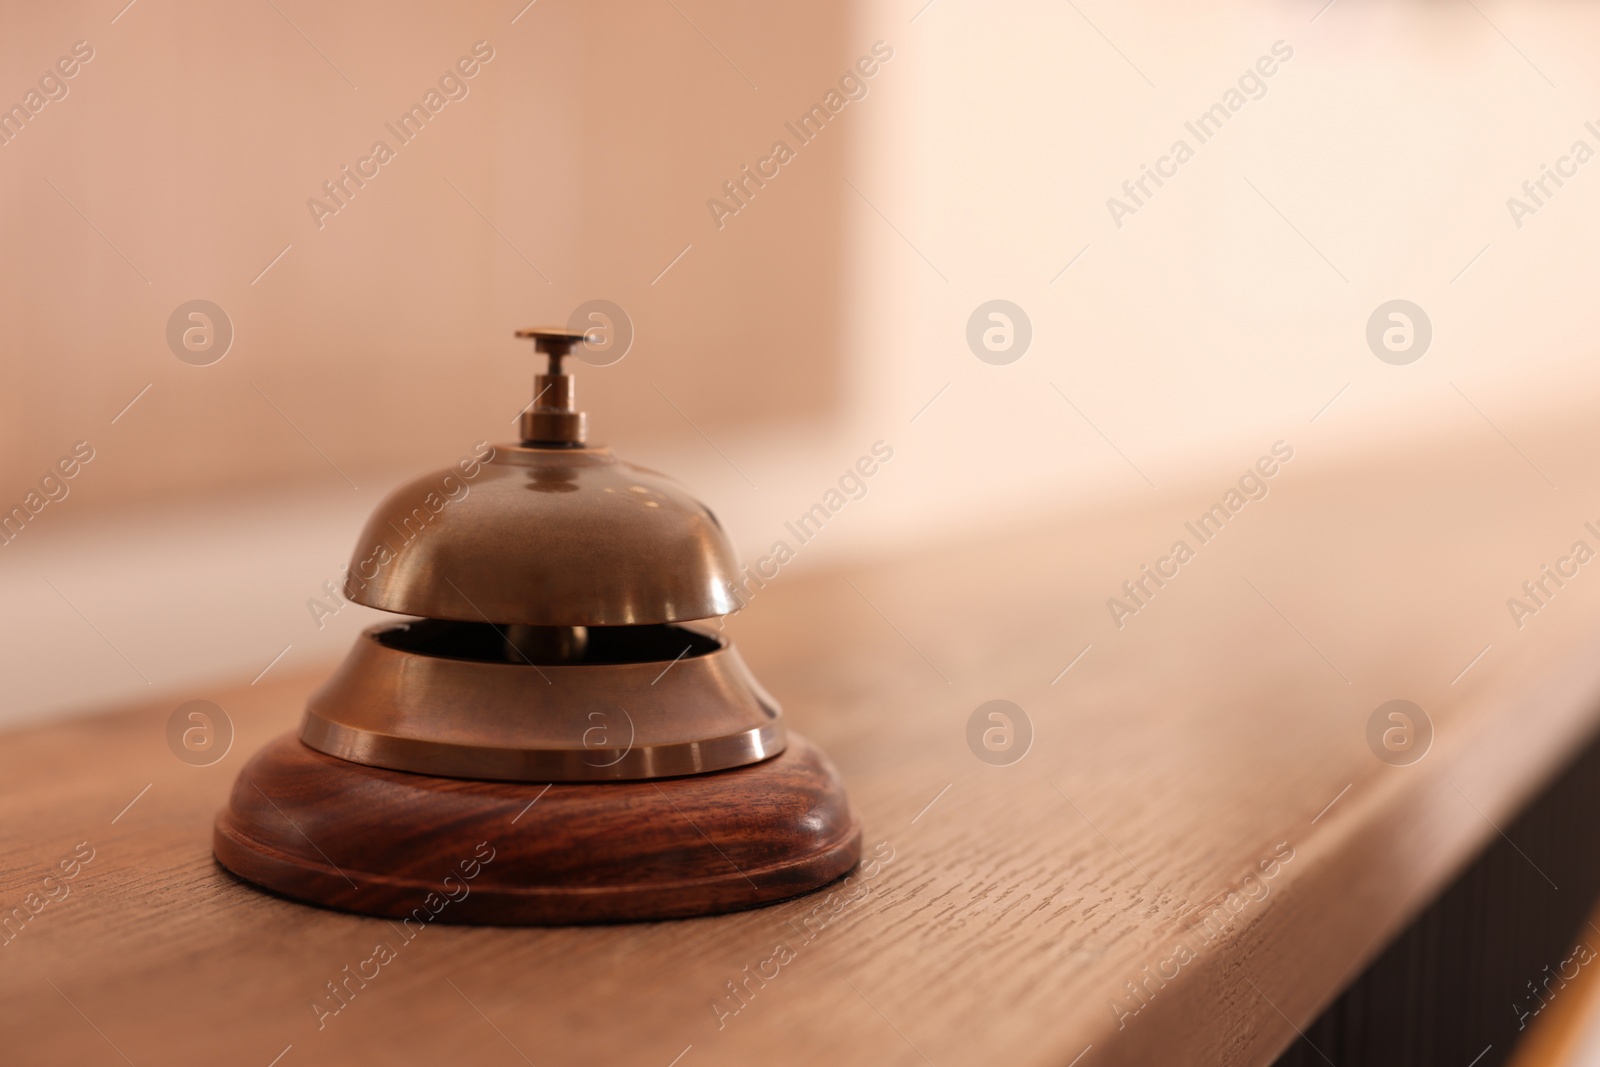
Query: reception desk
[{"x": 1322, "y": 789}]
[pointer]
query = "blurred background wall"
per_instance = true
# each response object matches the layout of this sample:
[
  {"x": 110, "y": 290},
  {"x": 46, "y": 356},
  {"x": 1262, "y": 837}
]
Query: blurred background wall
[{"x": 1173, "y": 339}]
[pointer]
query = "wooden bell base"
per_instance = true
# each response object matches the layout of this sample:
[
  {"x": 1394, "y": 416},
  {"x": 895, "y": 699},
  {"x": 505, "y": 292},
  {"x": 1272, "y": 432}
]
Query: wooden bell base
[{"x": 388, "y": 843}]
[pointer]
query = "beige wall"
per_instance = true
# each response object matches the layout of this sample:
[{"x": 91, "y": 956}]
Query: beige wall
[
  {"x": 194, "y": 137},
  {"x": 1230, "y": 308},
  {"x": 1219, "y": 318}
]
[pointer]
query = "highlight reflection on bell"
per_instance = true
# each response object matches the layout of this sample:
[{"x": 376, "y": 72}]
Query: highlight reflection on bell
[
  {"x": 553, "y": 701},
  {"x": 545, "y": 644}
]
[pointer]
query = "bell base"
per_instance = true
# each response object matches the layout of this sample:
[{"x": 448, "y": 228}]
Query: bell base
[{"x": 410, "y": 846}]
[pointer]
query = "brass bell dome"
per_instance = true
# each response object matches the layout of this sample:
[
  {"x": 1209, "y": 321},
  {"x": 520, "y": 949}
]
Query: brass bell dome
[{"x": 550, "y": 533}]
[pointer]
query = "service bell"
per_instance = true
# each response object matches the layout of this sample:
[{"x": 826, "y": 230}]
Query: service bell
[{"x": 550, "y": 719}]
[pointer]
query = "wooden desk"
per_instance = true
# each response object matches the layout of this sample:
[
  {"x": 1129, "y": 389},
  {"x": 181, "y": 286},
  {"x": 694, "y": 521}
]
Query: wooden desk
[{"x": 1223, "y": 727}]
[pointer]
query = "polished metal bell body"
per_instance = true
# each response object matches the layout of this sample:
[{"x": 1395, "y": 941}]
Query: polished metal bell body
[{"x": 552, "y": 590}]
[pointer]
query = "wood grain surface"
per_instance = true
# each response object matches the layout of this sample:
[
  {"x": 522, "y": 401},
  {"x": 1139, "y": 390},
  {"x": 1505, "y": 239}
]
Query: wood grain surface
[
  {"x": 448, "y": 850},
  {"x": 1199, "y": 777}
]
